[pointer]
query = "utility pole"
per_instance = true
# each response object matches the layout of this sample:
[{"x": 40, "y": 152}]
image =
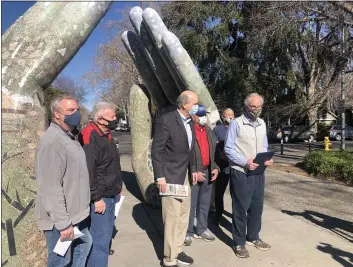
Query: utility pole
[{"x": 343, "y": 114}]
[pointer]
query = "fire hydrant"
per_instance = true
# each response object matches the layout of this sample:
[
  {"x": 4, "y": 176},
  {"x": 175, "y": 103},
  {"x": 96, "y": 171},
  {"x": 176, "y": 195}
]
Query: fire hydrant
[{"x": 327, "y": 143}]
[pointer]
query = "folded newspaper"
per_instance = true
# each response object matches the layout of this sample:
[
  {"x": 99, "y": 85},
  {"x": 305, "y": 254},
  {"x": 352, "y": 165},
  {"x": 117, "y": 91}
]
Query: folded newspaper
[{"x": 176, "y": 190}]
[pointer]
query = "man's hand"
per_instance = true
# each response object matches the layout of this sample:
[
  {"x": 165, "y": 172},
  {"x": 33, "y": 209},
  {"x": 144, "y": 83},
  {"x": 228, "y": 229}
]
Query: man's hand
[
  {"x": 162, "y": 185},
  {"x": 67, "y": 234},
  {"x": 194, "y": 178},
  {"x": 269, "y": 162},
  {"x": 99, "y": 206},
  {"x": 250, "y": 165},
  {"x": 200, "y": 177},
  {"x": 214, "y": 173}
]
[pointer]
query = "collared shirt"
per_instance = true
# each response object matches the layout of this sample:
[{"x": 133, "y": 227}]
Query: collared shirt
[
  {"x": 186, "y": 122},
  {"x": 202, "y": 140},
  {"x": 232, "y": 133}
]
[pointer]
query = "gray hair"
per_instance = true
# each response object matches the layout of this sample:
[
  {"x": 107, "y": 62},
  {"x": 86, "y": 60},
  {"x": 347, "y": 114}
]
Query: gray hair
[
  {"x": 182, "y": 100},
  {"x": 99, "y": 108},
  {"x": 247, "y": 99},
  {"x": 55, "y": 103}
]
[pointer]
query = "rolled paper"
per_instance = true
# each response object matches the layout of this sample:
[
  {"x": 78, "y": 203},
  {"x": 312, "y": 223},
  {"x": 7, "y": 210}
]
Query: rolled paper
[
  {"x": 136, "y": 51},
  {"x": 154, "y": 59},
  {"x": 141, "y": 128},
  {"x": 155, "y": 28},
  {"x": 187, "y": 71},
  {"x": 34, "y": 51}
]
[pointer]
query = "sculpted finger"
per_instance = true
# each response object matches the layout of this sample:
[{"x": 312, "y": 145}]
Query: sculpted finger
[
  {"x": 185, "y": 68},
  {"x": 155, "y": 29},
  {"x": 153, "y": 55},
  {"x": 136, "y": 51},
  {"x": 141, "y": 131}
]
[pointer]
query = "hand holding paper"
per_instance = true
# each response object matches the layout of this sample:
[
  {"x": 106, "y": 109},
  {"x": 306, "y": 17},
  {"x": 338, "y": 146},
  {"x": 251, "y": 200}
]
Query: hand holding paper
[{"x": 62, "y": 246}]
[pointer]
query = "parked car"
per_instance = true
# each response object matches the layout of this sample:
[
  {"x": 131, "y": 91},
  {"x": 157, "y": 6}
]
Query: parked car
[
  {"x": 291, "y": 133},
  {"x": 122, "y": 128},
  {"x": 336, "y": 133},
  {"x": 274, "y": 133}
]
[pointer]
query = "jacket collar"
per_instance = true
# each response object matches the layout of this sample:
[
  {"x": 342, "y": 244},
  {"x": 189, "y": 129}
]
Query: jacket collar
[{"x": 99, "y": 131}]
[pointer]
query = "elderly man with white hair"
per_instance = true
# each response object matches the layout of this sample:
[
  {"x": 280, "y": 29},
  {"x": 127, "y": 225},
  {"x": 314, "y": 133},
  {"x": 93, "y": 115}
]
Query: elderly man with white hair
[
  {"x": 103, "y": 162},
  {"x": 246, "y": 138}
]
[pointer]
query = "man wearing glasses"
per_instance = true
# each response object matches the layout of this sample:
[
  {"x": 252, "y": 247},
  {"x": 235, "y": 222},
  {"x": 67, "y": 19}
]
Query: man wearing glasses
[{"x": 246, "y": 138}]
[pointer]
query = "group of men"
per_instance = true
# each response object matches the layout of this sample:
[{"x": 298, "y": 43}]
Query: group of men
[
  {"x": 186, "y": 151},
  {"x": 78, "y": 177}
]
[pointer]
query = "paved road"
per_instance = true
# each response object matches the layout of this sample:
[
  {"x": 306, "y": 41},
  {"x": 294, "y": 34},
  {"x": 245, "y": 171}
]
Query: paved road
[{"x": 295, "y": 152}]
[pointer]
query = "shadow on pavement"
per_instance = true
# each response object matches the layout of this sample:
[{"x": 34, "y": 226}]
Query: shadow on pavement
[
  {"x": 337, "y": 254},
  {"x": 143, "y": 220},
  {"x": 131, "y": 185},
  {"x": 338, "y": 226},
  {"x": 218, "y": 232}
]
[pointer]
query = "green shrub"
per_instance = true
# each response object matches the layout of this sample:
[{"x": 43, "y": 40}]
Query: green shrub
[{"x": 332, "y": 165}]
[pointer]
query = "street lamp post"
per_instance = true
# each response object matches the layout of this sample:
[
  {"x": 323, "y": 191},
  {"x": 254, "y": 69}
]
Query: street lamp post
[{"x": 343, "y": 115}]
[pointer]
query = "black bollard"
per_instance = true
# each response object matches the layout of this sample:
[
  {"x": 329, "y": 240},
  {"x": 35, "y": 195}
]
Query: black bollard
[
  {"x": 309, "y": 145},
  {"x": 282, "y": 146}
]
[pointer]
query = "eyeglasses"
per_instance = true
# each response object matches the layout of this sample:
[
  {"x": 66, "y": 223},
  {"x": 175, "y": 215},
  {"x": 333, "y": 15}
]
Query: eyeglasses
[{"x": 254, "y": 107}]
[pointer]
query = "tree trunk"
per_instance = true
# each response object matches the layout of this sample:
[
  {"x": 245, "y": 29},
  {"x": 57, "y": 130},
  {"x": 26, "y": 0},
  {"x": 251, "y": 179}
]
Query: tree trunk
[{"x": 312, "y": 117}]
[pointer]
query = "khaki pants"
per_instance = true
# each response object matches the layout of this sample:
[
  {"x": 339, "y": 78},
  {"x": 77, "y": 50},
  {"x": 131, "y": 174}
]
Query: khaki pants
[{"x": 175, "y": 219}]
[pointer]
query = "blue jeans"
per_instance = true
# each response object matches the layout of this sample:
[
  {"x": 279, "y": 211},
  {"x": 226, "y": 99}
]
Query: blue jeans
[
  {"x": 77, "y": 253},
  {"x": 101, "y": 229}
]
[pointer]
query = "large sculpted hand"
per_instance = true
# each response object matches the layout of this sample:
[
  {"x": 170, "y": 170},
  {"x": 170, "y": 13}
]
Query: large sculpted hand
[{"x": 166, "y": 70}]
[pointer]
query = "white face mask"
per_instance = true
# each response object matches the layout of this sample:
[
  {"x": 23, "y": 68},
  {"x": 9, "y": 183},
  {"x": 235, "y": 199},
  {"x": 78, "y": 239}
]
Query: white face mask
[
  {"x": 203, "y": 120},
  {"x": 227, "y": 119}
]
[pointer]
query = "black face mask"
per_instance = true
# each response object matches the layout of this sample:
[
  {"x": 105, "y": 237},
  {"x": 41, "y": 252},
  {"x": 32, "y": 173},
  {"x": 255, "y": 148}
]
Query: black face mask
[{"x": 112, "y": 124}]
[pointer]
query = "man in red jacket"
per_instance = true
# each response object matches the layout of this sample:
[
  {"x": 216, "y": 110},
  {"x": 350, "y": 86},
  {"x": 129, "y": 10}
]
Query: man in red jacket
[
  {"x": 204, "y": 165},
  {"x": 103, "y": 162}
]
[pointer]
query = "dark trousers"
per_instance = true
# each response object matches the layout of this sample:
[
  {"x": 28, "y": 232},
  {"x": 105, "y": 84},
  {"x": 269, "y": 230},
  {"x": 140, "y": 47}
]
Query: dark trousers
[
  {"x": 220, "y": 188},
  {"x": 247, "y": 200},
  {"x": 200, "y": 202},
  {"x": 101, "y": 229}
]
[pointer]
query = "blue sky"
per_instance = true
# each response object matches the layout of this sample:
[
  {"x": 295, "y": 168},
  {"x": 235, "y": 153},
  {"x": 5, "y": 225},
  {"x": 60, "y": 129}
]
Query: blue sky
[{"x": 83, "y": 60}]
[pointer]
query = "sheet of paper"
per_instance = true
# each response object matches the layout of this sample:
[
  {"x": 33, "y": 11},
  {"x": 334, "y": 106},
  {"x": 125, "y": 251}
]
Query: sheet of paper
[
  {"x": 62, "y": 247},
  {"x": 118, "y": 201}
]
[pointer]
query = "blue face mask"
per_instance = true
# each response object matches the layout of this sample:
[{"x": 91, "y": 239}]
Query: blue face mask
[
  {"x": 194, "y": 110},
  {"x": 73, "y": 120}
]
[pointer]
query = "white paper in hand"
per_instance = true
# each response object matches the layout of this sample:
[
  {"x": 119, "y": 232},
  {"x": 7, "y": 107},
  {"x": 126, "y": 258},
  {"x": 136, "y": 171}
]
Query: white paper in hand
[
  {"x": 118, "y": 201},
  {"x": 62, "y": 247}
]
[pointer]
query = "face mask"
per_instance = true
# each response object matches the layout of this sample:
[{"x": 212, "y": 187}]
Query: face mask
[
  {"x": 73, "y": 120},
  {"x": 194, "y": 110},
  {"x": 203, "y": 120},
  {"x": 112, "y": 124},
  {"x": 254, "y": 113},
  {"x": 227, "y": 120}
]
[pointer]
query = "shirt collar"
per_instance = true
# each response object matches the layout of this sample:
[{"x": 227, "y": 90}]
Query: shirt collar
[
  {"x": 183, "y": 118},
  {"x": 200, "y": 128},
  {"x": 248, "y": 120}
]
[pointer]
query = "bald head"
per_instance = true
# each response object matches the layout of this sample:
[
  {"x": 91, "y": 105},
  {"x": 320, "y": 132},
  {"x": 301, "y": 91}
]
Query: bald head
[
  {"x": 186, "y": 101},
  {"x": 228, "y": 115}
]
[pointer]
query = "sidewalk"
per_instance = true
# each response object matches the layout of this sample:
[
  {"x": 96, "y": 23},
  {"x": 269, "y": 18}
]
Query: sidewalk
[{"x": 139, "y": 241}]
